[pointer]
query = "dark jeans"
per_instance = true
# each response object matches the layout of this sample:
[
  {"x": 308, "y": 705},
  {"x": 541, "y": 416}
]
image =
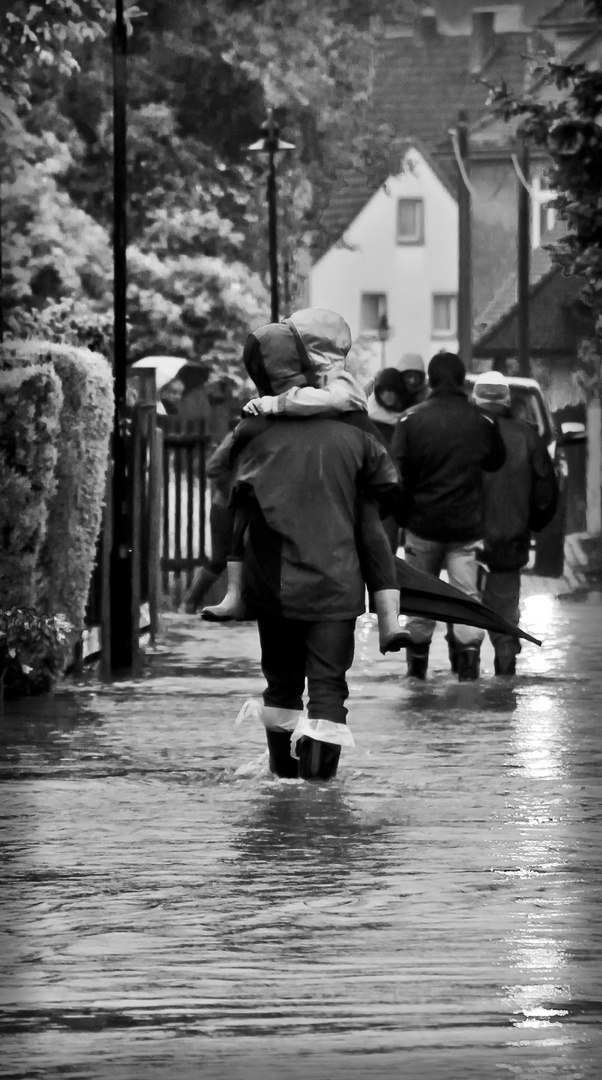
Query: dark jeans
[
  {"x": 321, "y": 652},
  {"x": 221, "y": 523}
]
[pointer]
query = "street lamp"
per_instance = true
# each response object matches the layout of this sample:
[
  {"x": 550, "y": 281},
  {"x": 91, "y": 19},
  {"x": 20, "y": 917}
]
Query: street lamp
[
  {"x": 270, "y": 144},
  {"x": 384, "y": 333}
]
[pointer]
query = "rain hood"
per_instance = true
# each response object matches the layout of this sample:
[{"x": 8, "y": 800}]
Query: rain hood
[{"x": 303, "y": 350}]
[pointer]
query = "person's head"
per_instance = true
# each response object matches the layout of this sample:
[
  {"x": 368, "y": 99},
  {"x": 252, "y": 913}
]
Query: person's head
[
  {"x": 388, "y": 389},
  {"x": 411, "y": 370},
  {"x": 491, "y": 391},
  {"x": 446, "y": 371},
  {"x": 302, "y": 350}
]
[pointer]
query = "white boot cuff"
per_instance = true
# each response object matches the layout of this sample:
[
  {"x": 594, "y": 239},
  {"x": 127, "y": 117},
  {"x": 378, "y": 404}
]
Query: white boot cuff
[
  {"x": 272, "y": 718},
  {"x": 325, "y": 731}
]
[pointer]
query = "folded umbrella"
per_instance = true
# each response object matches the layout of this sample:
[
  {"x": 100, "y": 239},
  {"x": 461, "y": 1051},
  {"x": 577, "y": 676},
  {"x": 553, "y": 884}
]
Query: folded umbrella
[{"x": 427, "y": 596}]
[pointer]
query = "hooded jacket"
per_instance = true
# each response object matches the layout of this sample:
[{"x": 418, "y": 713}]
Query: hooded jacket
[
  {"x": 442, "y": 448},
  {"x": 300, "y": 481},
  {"x": 520, "y": 497}
]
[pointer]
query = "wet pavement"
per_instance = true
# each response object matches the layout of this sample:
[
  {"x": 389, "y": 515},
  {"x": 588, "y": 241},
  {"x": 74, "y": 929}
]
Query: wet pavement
[{"x": 435, "y": 912}]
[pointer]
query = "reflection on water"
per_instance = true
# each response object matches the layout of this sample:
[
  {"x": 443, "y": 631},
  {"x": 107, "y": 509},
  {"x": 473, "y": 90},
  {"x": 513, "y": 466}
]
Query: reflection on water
[{"x": 435, "y": 912}]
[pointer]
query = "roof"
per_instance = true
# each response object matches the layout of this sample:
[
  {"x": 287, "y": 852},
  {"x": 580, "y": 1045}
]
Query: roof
[
  {"x": 566, "y": 13},
  {"x": 420, "y": 85},
  {"x": 501, "y": 307},
  {"x": 558, "y": 318},
  {"x": 494, "y": 133}
]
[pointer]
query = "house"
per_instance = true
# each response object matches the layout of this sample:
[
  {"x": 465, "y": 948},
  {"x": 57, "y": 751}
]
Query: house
[
  {"x": 392, "y": 274},
  {"x": 387, "y": 254},
  {"x": 428, "y": 68}
]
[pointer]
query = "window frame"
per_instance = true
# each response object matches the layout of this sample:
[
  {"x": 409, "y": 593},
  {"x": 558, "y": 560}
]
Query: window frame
[
  {"x": 416, "y": 240},
  {"x": 364, "y": 330},
  {"x": 453, "y": 331}
]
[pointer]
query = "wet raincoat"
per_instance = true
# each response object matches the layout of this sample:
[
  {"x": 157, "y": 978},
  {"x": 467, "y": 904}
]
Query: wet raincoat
[{"x": 300, "y": 481}]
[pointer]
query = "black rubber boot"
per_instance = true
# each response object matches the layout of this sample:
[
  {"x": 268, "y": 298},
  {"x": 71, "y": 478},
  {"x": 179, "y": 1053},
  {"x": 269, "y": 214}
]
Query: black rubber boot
[
  {"x": 452, "y": 649},
  {"x": 469, "y": 667},
  {"x": 504, "y": 662},
  {"x": 418, "y": 660},
  {"x": 317, "y": 760},
  {"x": 281, "y": 762}
]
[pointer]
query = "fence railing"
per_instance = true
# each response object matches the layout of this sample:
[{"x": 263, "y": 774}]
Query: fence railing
[{"x": 184, "y": 514}]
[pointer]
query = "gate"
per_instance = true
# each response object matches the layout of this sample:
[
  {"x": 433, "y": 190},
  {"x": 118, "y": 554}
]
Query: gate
[{"x": 184, "y": 503}]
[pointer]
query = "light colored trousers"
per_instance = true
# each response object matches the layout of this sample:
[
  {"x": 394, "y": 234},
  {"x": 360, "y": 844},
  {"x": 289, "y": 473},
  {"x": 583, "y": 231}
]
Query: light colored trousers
[{"x": 459, "y": 560}]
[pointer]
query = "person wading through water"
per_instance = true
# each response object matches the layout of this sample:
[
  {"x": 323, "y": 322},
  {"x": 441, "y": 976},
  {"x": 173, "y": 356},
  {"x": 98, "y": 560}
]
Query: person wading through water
[{"x": 304, "y": 495}]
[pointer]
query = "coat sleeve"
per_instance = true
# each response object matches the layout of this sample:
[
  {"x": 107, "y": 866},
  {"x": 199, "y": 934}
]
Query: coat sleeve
[
  {"x": 378, "y": 478},
  {"x": 544, "y": 486},
  {"x": 496, "y": 451}
]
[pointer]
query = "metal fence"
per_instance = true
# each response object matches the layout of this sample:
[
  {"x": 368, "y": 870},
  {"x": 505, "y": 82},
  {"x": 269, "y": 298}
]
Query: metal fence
[{"x": 184, "y": 511}]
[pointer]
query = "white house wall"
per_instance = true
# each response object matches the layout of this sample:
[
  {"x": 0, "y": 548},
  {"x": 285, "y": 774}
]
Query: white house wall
[{"x": 371, "y": 261}]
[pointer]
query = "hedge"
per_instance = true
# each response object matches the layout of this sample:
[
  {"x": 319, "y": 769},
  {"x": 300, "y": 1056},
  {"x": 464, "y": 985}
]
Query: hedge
[
  {"x": 67, "y": 555},
  {"x": 31, "y": 400}
]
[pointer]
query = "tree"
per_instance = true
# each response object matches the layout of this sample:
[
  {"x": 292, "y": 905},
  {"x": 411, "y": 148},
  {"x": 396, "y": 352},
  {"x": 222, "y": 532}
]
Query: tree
[{"x": 563, "y": 115}]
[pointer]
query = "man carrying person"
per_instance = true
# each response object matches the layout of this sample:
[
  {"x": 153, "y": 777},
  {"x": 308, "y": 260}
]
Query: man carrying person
[
  {"x": 443, "y": 447},
  {"x": 302, "y": 488}
]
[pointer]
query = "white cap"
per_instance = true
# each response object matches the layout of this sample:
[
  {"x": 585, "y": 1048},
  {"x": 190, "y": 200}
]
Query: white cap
[
  {"x": 491, "y": 388},
  {"x": 411, "y": 361}
]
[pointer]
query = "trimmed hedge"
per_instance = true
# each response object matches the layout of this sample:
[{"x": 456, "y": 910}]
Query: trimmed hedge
[
  {"x": 31, "y": 400},
  {"x": 66, "y": 558}
]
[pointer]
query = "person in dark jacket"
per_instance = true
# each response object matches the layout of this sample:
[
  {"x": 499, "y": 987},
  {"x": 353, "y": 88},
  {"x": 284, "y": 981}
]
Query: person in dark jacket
[
  {"x": 521, "y": 497},
  {"x": 386, "y": 402},
  {"x": 300, "y": 485},
  {"x": 443, "y": 447}
]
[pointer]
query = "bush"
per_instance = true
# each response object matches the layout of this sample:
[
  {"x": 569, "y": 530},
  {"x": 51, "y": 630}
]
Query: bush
[
  {"x": 33, "y": 650},
  {"x": 67, "y": 555},
  {"x": 31, "y": 400}
]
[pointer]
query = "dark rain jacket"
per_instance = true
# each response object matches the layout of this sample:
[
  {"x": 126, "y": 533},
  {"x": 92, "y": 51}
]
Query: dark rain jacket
[
  {"x": 521, "y": 497},
  {"x": 300, "y": 482},
  {"x": 442, "y": 447}
]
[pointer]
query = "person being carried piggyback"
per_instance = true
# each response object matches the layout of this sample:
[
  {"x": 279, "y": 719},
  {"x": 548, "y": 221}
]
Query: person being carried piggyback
[{"x": 322, "y": 340}]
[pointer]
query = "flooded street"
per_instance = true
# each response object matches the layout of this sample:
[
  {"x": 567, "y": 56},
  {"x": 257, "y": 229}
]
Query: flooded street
[{"x": 435, "y": 912}]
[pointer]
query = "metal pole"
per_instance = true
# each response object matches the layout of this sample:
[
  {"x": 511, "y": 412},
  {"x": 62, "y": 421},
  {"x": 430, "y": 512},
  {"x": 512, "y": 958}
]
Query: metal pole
[
  {"x": 464, "y": 247},
  {"x": 523, "y": 264},
  {"x": 121, "y": 549},
  {"x": 272, "y": 232}
]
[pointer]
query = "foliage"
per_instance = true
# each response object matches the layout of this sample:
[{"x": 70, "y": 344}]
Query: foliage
[
  {"x": 562, "y": 114},
  {"x": 67, "y": 554},
  {"x": 31, "y": 399},
  {"x": 52, "y": 249},
  {"x": 200, "y": 78},
  {"x": 33, "y": 650},
  {"x": 46, "y": 34}
]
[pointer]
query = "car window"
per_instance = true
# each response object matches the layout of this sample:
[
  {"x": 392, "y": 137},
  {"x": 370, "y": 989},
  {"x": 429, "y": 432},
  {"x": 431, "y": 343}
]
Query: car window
[{"x": 527, "y": 404}]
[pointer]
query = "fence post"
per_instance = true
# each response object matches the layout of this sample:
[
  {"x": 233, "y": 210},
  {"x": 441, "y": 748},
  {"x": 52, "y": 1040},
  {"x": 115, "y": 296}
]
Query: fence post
[
  {"x": 155, "y": 488},
  {"x": 105, "y": 602},
  {"x": 136, "y": 463}
]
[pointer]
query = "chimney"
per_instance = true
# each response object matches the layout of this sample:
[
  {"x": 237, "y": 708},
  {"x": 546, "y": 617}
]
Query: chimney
[
  {"x": 426, "y": 26},
  {"x": 482, "y": 40}
]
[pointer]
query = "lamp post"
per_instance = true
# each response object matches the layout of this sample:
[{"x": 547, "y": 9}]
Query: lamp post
[
  {"x": 384, "y": 333},
  {"x": 120, "y": 562},
  {"x": 270, "y": 144}
]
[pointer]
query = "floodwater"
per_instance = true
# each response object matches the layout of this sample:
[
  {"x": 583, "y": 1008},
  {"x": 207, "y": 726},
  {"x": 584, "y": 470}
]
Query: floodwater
[{"x": 435, "y": 912}]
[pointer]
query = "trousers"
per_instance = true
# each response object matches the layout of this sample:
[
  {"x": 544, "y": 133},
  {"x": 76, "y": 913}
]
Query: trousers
[
  {"x": 502, "y": 593},
  {"x": 460, "y": 562},
  {"x": 295, "y": 652}
]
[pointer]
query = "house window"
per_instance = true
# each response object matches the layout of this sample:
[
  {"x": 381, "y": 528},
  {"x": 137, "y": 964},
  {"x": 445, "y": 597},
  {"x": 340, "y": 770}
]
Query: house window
[
  {"x": 410, "y": 221},
  {"x": 373, "y": 307},
  {"x": 445, "y": 315}
]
